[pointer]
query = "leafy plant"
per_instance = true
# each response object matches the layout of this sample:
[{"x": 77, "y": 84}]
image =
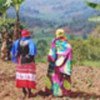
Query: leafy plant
[
  {"x": 94, "y": 6},
  {"x": 3, "y": 8},
  {"x": 16, "y": 4},
  {"x": 42, "y": 47}
]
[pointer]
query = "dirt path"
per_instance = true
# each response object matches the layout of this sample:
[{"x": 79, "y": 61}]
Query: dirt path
[{"x": 85, "y": 83}]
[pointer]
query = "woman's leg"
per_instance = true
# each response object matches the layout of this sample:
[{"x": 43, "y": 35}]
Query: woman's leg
[
  {"x": 48, "y": 88},
  {"x": 24, "y": 91},
  {"x": 56, "y": 78},
  {"x": 30, "y": 94},
  {"x": 66, "y": 86}
]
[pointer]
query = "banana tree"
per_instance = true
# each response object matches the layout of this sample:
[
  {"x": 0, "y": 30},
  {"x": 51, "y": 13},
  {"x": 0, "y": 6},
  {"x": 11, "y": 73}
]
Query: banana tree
[
  {"x": 3, "y": 9},
  {"x": 16, "y": 4},
  {"x": 94, "y": 6}
]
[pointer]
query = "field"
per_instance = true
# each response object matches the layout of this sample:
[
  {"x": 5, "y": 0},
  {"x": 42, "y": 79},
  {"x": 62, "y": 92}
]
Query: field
[{"x": 85, "y": 83}]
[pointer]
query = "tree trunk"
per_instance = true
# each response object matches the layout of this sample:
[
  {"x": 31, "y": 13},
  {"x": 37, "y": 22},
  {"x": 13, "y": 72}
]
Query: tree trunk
[{"x": 17, "y": 26}]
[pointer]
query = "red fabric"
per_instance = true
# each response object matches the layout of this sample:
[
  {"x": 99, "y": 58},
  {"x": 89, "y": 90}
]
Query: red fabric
[
  {"x": 50, "y": 59},
  {"x": 25, "y": 84},
  {"x": 25, "y": 33},
  {"x": 25, "y": 76},
  {"x": 26, "y": 68}
]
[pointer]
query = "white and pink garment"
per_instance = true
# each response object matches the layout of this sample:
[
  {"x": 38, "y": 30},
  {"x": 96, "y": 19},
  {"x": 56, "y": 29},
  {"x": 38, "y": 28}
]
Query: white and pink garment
[{"x": 26, "y": 75}]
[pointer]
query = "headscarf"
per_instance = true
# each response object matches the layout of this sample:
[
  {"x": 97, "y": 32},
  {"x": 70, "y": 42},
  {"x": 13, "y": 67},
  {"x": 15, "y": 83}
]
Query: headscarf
[
  {"x": 25, "y": 33},
  {"x": 60, "y": 34}
]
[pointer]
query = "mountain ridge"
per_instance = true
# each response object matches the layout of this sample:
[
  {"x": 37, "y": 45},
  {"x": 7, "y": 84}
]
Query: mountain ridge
[{"x": 70, "y": 13}]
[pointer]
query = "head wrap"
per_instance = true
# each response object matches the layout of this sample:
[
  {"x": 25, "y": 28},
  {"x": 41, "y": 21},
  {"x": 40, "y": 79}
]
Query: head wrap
[
  {"x": 60, "y": 33},
  {"x": 25, "y": 33}
]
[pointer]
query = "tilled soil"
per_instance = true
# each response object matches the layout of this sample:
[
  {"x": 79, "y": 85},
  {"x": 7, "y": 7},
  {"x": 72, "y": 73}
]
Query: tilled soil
[{"x": 85, "y": 83}]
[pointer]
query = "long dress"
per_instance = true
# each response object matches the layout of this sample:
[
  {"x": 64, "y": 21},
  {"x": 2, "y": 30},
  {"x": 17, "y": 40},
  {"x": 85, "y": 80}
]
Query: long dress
[
  {"x": 23, "y": 52},
  {"x": 58, "y": 80}
]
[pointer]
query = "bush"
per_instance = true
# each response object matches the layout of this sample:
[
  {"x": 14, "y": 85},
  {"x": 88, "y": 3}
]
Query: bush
[
  {"x": 83, "y": 50},
  {"x": 42, "y": 48},
  {"x": 79, "y": 50},
  {"x": 86, "y": 50}
]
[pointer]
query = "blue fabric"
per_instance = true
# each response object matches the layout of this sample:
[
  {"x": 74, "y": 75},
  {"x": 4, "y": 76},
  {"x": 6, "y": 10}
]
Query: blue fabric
[
  {"x": 32, "y": 48},
  {"x": 14, "y": 50}
]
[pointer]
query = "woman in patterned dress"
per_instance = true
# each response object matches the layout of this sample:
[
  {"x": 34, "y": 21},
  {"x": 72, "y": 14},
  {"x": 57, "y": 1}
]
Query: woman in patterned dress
[
  {"x": 23, "y": 52},
  {"x": 58, "y": 80}
]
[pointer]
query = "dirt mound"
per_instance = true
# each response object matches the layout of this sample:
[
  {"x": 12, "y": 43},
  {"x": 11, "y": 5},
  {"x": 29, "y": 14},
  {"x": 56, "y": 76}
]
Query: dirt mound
[{"x": 85, "y": 83}]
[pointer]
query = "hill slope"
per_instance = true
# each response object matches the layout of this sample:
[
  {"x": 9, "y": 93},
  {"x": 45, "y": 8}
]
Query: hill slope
[{"x": 57, "y": 13}]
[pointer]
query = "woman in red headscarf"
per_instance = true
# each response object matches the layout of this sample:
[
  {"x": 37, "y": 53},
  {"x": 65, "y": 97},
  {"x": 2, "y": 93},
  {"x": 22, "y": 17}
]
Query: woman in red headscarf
[{"x": 23, "y": 53}]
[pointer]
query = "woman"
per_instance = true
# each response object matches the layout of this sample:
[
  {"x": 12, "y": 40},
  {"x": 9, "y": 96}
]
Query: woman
[
  {"x": 60, "y": 57},
  {"x": 23, "y": 52}
]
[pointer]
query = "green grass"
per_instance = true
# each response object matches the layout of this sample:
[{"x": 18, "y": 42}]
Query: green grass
[
  {"x": 42, "y": 60},
  {"x": 91, "y": 63}
]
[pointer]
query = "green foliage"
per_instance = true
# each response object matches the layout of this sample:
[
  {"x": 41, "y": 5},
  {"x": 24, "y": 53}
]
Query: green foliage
[
  {"x": 96, "y": 32},
  {"x": 7, "y": 26},
  {"x": 3, "y": 8},
  {"x": 17, "y": 4},
  {"x": 94, "y": 48},
  {"x": 13, "y": 2},
  {"x": 79, "y": 50},
  {"x": 91, "y": 63},
  {"x": 87, "y": 50},
  {"x": 93, "y": 5},
  {"x": 2, "y": 3},
  {"x": 8, "y": 3},
  {"x": 95, "y": 19},
  {"x": 42, "y": 47}
]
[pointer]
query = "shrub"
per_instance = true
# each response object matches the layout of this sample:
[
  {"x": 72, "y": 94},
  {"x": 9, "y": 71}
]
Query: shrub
[{"x": 42, "y": 48}]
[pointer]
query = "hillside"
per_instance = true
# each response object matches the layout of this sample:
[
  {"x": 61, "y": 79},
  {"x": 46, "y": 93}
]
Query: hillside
[{"x": 57, "y": 13}]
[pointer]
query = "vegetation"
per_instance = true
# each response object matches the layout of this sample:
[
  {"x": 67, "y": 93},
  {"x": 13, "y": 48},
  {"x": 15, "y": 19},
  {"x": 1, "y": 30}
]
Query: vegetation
[
  {"x": 7, "y": 27},
  {"x": 3, "y": 9},
  {"x": 87, "y": 50},
  {"x": 4, "y": 5},
  {"x": 16, "y": 4},
  {"x": 84, "y": 49},
  {"x": 94, "y": 6}
]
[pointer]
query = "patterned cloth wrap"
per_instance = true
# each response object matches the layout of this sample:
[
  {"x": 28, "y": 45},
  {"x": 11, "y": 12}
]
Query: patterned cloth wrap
[{"x": 58, "y": 80}]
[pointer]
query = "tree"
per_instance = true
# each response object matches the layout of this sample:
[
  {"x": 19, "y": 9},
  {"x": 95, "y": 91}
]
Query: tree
[
  {"x": 3, "y": 9},
  {"x": 94, "y": 6},
  {"x": 96, "y": 32},
  {"x": 16, "y": 4}
]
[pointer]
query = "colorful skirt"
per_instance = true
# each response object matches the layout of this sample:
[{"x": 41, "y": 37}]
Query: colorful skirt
[
  {"x": 58, "y": 84},
  {"x": 25, "y": 76}
]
